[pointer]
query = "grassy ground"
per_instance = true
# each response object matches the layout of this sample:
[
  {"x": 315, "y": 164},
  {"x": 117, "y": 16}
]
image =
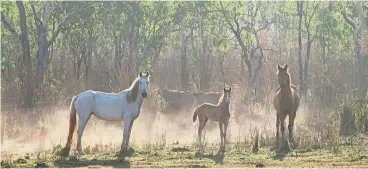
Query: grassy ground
[{"x": 185, "y": 156}]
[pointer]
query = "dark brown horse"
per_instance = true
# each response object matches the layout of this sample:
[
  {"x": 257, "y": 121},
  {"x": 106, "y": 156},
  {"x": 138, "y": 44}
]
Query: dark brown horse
[
  {"x": 286, "y": 102},
  {"x": 219, "y": 113},
  {"x": 177, "y": 100}
]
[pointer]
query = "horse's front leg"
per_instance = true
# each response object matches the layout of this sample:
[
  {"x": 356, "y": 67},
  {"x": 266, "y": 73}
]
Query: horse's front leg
[
  {"x": 221, "y": 136},
  {"x": 290, "y": 128},
  {"x": 277, "y": 126},
  {"x": 130, "y": 132},
  {"x": 282, "y": 127},
  {"x": 225, "y": 131},
  {"x": 127, "y": 121}
]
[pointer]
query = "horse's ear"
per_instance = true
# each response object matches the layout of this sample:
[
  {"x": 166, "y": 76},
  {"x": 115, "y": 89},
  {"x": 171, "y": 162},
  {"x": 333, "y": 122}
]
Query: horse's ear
[
  {"x": 285, "y": 67},
  {"x": 140, "y": 74},
  {"x": 279, "y": 67}
]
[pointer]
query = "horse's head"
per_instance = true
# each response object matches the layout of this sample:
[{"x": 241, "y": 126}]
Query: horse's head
[
  {"x": 283, "y": 75},
  {"x": 227, "y": 95},
  {"x": 143, "y": 84}
]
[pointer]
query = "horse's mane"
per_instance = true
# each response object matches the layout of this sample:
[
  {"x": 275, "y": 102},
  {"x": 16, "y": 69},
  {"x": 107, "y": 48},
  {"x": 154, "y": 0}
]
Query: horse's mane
[
  {"x": 132, "y": 91},
  {"x": 221, "y": 99}
]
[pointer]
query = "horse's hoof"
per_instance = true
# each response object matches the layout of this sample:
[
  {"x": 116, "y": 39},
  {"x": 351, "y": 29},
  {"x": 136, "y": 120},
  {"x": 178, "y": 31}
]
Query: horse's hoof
[
  {"x": 221, "y": 150},
  {"x": 293, "y": 144},
  {"x": 64, "y": 152}
]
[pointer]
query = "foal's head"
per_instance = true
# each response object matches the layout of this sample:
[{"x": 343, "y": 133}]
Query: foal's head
[
  {"x": 283, "y": 76},
  {"x": 143, "y": 84},
  {"x": 227, "y": 95}
]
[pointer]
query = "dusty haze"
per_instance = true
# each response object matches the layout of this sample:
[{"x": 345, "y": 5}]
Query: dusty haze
[{"x": 165, "y": 129}]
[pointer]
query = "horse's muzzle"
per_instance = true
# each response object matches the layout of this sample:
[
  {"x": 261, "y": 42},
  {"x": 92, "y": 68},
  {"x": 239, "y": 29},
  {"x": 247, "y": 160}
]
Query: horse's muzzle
[{"x": 144, "y": 94}]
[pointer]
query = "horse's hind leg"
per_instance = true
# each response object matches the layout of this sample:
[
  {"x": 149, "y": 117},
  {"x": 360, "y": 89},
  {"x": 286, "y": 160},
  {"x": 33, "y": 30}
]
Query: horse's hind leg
[
  {"x": 83, "y": 119},
  {"x": 202, "y": 123}
]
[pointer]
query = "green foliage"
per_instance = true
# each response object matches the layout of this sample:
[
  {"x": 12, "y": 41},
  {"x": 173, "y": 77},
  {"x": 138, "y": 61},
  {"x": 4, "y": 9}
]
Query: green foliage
[
  {"x": 138, "y": 31},
  {"x": 6, "y": 62}
]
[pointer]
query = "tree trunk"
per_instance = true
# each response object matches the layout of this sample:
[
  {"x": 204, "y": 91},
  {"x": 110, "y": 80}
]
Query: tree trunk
[
  {"x": 204, "y": 61},
  {"x": 300, "y": 60},
  {"x": 42, "y": 46},
  {"x": 184, "y": 77},
  {"x": 88, "y": 59},
  {"x": 41, "y": 55},
  {"x": 362, "y": 59},
  {"x": 324, "y": 46},
  {"x": 27, "y": 82},
  {"x": 221, "y": 63},
  {"x": 309, "y": 46}
]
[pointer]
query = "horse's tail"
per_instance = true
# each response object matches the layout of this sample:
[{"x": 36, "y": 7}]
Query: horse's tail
[
  {"x": 72, "y": 123},
  {"x": 195, "y": 114}
]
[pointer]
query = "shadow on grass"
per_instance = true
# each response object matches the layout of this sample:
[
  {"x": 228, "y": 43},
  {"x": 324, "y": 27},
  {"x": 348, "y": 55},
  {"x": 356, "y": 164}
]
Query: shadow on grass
[
  {"x": 281, "y": 154},
  {"x": 118, "y": 161},
  {"x": 282, "y": 149},
  {"x": 217, "y": 158}
]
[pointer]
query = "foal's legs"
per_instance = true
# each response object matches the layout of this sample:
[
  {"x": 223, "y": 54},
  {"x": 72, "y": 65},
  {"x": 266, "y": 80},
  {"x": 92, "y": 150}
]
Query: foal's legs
[
  {"x": 83, "y": 119},
  {"x": 202, "y": 123},
  {"x": 225, "y": 131},
  {"x": 221, "y": 136}
]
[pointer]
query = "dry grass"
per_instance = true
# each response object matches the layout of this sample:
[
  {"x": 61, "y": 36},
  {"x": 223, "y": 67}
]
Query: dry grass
[{"x": 171, "y": 142}]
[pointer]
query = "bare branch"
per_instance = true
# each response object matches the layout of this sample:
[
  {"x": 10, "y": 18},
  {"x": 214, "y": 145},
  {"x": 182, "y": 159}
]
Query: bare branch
[
  {"x": 56, "y": 33},
  {"x": 47, "y": 13},
  {"x": 8, "y": 26},
  {"x": 348, "y": 19},
  {"x": 272, "y": 50},
  {"x": 308, "y": 20},
  {"x": 36, "y": 17},
  {"x": 257, "y": 8}
]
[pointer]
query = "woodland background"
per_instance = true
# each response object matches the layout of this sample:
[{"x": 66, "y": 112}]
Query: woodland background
[{"x": 52, "y": 50}]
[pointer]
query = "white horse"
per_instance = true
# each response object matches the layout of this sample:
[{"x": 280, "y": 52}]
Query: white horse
[{"x": 123, "y": 106}]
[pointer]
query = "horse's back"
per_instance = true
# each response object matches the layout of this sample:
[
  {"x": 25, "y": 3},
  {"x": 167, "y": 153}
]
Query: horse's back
[
  {"x": 106, "y": 106},
  {"x": 84, "y": 101},
  {"x": 212, "y": 112},
  {"x": 205, "y": 107},
  {"x": 212, "y": 97},
  {"x": 178, "y": 99}
]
